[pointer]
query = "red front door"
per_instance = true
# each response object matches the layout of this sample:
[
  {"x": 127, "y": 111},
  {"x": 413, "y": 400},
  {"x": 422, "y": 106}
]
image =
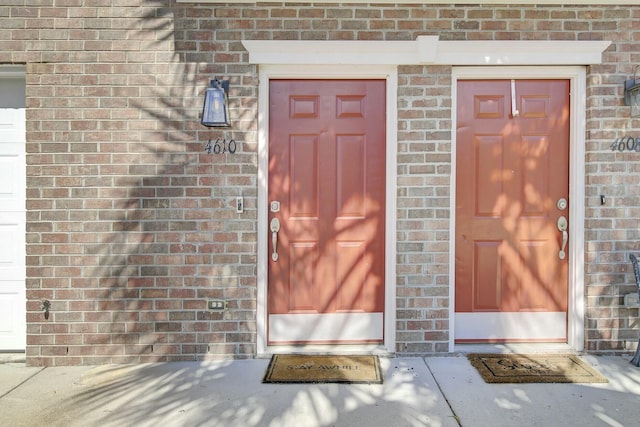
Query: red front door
[
  {"x": 512, "y": 178},
  {"x": 327, "y": 211}
]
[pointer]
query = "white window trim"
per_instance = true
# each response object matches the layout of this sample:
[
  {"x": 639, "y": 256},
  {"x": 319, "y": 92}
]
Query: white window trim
[{"x": 577, "y": 77}]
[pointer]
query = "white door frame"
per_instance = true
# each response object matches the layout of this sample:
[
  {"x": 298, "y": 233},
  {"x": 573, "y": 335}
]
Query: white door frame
[
  {"x": 388, "y": 73},
  {"x": 577, "y": 77},
  {"x": 380, "y": 59}
]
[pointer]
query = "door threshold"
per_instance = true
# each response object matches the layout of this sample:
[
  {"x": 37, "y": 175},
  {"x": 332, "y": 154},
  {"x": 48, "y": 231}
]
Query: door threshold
[
  {"x": 351, "y": 349},
  {"x": 507, "y": 348}
]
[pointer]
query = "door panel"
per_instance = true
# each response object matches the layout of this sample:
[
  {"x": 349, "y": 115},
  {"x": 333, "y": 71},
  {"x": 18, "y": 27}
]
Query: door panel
[
  {"x": 327, "y": 170},
  {"x": 507, "y": 238}
]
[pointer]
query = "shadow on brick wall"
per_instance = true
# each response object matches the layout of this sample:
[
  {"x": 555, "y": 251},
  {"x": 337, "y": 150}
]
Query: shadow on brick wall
[{"x": 152, "y": 232}]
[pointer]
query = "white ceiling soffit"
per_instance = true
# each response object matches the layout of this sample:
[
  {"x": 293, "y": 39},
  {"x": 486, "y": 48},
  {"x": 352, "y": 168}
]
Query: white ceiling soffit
[
  {"x": 426, "y": 50},
  {"x": 12, "y": 70}
]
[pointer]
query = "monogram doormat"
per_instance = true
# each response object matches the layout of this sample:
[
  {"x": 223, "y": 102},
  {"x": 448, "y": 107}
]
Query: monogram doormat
[
  {"x": 534, "y": 368},
  {"x": 297, "y": 368}
]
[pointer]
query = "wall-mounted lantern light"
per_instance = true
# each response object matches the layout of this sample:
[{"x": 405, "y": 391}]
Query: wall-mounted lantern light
[
  {"x": 215, "y": 111},
  {"x": 632, "y": 93}
]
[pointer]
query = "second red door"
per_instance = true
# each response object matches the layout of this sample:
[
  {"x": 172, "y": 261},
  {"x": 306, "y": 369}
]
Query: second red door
[{"x": 511, "y": 207}]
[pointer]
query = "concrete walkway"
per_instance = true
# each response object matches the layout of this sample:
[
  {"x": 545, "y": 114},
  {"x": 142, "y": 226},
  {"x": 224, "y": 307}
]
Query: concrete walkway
[{"x": 434, "y": 391}]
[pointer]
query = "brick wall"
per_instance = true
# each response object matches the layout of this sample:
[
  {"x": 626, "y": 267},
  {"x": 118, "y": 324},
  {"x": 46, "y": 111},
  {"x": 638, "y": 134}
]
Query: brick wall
[
  {"x": 132, "y": 226},
  {"x": 424, "y": 158}
]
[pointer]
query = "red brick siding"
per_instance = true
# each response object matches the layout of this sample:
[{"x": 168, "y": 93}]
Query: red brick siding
[{"x": 131, "y": 226}]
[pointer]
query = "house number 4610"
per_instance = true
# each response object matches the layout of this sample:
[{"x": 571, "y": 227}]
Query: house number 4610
[
  {"x": 220, "y": 147},
  {"x": 628, "y": 143}
]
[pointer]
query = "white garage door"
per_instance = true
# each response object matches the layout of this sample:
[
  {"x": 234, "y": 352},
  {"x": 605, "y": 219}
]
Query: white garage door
[{"x": 12, "y": 210}]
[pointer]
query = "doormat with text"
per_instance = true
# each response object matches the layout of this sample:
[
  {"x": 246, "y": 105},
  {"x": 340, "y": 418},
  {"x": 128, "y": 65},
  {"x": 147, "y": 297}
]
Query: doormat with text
[
  {"x": 298, "y": 368},
  {"x": 534, "y": 368}
]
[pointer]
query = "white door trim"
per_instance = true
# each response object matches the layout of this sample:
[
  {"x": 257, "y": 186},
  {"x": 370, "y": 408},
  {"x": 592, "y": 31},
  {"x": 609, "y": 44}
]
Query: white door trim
[
  {"x": 487, "y": 59},
  {"x": 439, "y": 2},
  {"x": 390, "y": 74},
  {"x": 577, "y": 77},
  {"x": 426, "y": 50}
]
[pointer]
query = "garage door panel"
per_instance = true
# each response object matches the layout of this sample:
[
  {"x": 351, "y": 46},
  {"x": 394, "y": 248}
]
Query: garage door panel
[
  {"x": 12, "y": 315},
  {"x": 12, "y": 124},
  {"x": 12, "y": 184},
  {"x": 12, "y": 213},
  {"x": 12, "y": 262}
]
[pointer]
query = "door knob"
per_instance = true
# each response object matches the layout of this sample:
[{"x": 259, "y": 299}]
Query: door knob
[
  {"x": 275, "y": 227},
  {"x": 562, "y": 227}
]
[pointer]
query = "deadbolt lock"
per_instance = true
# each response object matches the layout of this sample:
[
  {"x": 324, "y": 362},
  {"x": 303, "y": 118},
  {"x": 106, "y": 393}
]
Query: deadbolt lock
[{"x": 562, "y": 204}]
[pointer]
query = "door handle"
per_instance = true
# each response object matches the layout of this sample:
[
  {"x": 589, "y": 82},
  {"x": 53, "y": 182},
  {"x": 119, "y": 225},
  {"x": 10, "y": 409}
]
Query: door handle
[
  {"x": 562, "y": 227},
  {"x": 275, "y": 227}
]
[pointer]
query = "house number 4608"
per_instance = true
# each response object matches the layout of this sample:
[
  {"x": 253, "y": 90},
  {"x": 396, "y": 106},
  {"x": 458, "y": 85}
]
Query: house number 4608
[
  {"x": 220, "y": 147},
  {"x": 628, "y": 143}
]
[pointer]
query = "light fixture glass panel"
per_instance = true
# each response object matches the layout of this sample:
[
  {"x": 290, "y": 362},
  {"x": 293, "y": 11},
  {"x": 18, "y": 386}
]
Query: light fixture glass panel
[
  {"x": 215, "y": 111},
  {"x": 634, "y": 100},
  {"x": 632, "y": 93}
]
